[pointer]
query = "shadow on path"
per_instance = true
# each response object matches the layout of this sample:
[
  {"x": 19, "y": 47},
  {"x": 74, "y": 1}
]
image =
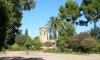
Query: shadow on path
[{"x": 19, "y": 58}]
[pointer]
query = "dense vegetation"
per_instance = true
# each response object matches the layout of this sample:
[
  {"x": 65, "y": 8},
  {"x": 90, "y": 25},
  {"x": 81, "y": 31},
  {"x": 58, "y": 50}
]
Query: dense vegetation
[
  {"x": 60, "y": 28},
  {"x": 63, "y": 29},
  {"x": 10, "y": 19},
  {"x": 25, "y": 42}
]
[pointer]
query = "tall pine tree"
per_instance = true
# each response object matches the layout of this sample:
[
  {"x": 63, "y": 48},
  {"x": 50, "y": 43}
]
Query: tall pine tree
[
  {"x": 10, "y": 19},
  {"x": 91, "y": 11}
]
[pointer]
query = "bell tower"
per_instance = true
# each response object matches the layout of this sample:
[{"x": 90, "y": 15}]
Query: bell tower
[{"x": 43, "y": 35}]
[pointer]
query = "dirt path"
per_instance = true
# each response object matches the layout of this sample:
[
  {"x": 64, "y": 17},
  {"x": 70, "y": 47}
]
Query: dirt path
[{"x": 21, "y": 55}]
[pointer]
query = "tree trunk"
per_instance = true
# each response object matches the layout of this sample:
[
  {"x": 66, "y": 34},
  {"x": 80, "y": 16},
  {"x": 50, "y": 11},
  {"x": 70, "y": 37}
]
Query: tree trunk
[
  {"x": 95, "y": 27},
  {"x": 2, "y": 38}
]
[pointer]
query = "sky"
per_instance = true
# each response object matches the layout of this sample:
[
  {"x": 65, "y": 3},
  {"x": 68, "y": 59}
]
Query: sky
[{"x": 40, "y": 15}]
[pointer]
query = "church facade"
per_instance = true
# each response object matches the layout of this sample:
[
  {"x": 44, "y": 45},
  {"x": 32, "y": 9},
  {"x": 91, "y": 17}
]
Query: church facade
[{"x": 43, "y": 35}]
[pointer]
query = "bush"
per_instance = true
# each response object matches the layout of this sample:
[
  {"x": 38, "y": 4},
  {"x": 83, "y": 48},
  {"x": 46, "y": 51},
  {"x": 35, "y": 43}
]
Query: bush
[
  {"x": 51, "y": 50},
  {"x": 96, "y": 49},
  {"x": 84, "y": 35},
  {"x": 98, "y": 39},
  {"x": 37, "y": 43},
  {"x": 47, "y": 44},
  {"x": 74, "y": 46},
  {"x": 15, "y": 47},
  {"x": 82, "y": 42},
  {"x": 74, "y": 43},
  {"x": 62, "y": 48},
  {"x": 62, "y": 43},
  {"x": 87, "y": 44}
]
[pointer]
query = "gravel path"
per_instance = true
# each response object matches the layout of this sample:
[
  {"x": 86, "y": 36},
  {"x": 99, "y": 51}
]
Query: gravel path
[{"x": 21, "y": 55}]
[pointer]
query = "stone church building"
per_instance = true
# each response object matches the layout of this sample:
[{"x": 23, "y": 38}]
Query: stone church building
[{"x": 43, "y": 35}]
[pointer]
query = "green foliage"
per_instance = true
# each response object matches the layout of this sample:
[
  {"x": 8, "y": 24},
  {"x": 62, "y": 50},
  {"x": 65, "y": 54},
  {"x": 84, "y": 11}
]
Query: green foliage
[
  {"x": 24, "y": 41},
  {"x": 61, "y": 44},
  {"x": 67, "y": 30},
  {"x": 61, "y": 30},
  {"x": 50, "y": 36},
  {"x": 88, "y": 44},
  {"x": 53, "y": 26},
  {"x": 28, "y": 40},
  {"x": 98, "y": 39},
  {"x": 95, "y": 35},
  {"x": 74, "y": 43},
  {"x": 91, "y": 10},
  {"x": 70, "y": 11},
  {"x": 20, "y": 40},
  {"x": 36, "y": 43},
  {"x": 51, "y": 50},
  {"x": 15, "y": 47},
  {"x": 82, "y": 42},
  {"x": 26, "y": 32},
  {"x": 62, "y": 47},
  {"x": 96, "y": 49},
  {"x": 84, "y": 35},
  {"x": 10, "y": 20},
  {"x": 47, "y": 44}
]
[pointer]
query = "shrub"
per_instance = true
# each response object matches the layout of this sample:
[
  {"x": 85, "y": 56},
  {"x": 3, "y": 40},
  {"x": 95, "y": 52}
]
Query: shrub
[
  {"x": 82, "y": 42},
  {"x": 96, "y": 49},
  {"x": 37, "y": 43},
  {"x": 84, "y": 35},
  {"x": 62, "y": 45},
  {"x": 15, "y": 47},
  {"x": 87, "y": 44},
  {"x": 47, "y": 44},
  {"x": 74, "y": 46},
  {"x": 73, "y": 39},
  {"x": 98, "y": 38},
  {"x": 51, "y": 50},
  {"x": 74, "y": 43}
]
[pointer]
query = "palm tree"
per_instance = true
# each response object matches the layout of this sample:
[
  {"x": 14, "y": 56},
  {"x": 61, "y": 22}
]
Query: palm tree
[
  {"x": 53, "y": 26},
  {"x": 60, "y": 29},
  {"x": 56, "y": 26}
]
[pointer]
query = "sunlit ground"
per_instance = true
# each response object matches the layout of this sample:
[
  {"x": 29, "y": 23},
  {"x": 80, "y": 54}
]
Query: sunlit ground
[{"x": 22, "y": 55}]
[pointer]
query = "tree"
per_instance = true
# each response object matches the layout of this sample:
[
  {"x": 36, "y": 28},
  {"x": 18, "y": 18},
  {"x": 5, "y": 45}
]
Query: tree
[
  {"x": 20, "y": 40},
  {"x": 50, "y": 36},
  {"x": 53, "y": 26},
  {"x": 60, "y": 29},
  {"x": 10, "y": 20},
  {"x": 15, "y": 47},
  {"x": 96, "y": 36},
  {"x": 87, "y": 44},
  {"x": 67, "y": 30},
  {"x": 47, "y": 44},
  {"x": 37, "y": 44},
  {"x": 91, "y": 11},
  {"x": 69, "y": 12},
  {"x": 3, "y": 24},
  {"x": 81, "y": 42},
  {"x": 24, "y": 41},
  {"x": 28, "y": 40},
  {"x": 26, "y": 32},
  {"x": 74, "y": 43}
]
